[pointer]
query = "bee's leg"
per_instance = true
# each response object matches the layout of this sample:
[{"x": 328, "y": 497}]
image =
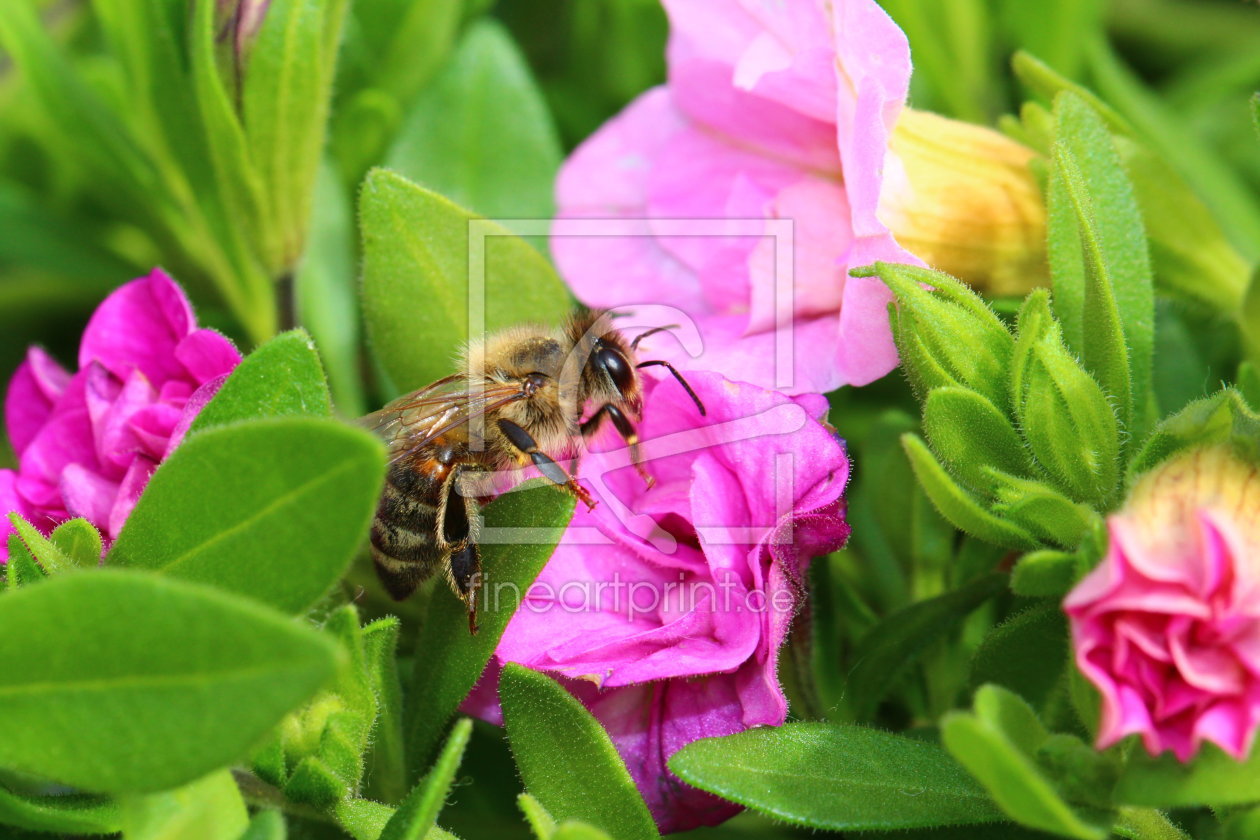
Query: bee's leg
[
  {"x": 555, "y": 473},
  {"x": 627, "y": 431},
  {"x": 457, "y": 514}
]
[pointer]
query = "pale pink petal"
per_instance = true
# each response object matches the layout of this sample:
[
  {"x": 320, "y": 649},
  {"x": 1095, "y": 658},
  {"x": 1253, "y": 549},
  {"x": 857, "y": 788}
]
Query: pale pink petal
[
  {"x": 190, "y": 410},
  {"x": 129, "y": 490},
  {"x": 87, "y": 493}
]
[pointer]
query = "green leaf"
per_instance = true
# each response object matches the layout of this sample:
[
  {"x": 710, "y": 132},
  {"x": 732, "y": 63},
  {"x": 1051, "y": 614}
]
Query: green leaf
[
  {"x": 417, "y": 276},
  {"x": 281, "y": 378},
  {"x": 1113, "y": 268},
  {"x": 1026, "y": 654},
  {"x": 483, "y": 107},
  {"x": 86, "y": 657},
  {"x": 969, "y": 433},
  {"x": 1011, "y": 777},
  {"x": 1222, "y": 418},
  {"x": 362, "y": 819},
  {"x": 1011, "y": 715},
  {"x": 574, "y": 830},
  {"x": 207, "y": 809},
  {"x": 540, "y": 822},
  {"x": 284, "y": 101},
  {"x": 1044, "y": 574},
  {"x": 292, "y": 499},
  {"x": 1212, "y": 778},
  {"x": 890, "y": 647},
  {"x": 403, "y": 43},
  {"x": 63, "y": 814},
  {"x": 843, "y": 778},
  {"x": 956, "y": 504},
  {"x": 266, "y": 825},
  {"x": 927, "y": 324},
  {"x": 449, "y": 660},
  {"x": 316, "y": 784},
  {"x": 45, "y": 552},
  {"x": 1040, "y": 508},
  {"x": 21, "y": 568},
  {"x": 326, "y": 291},
  {"x": 587, "y": 780},
  {"x": 387, "y": 763},
  {"x": 418, "y": 812},
  {"x": 78, "y": 541}
]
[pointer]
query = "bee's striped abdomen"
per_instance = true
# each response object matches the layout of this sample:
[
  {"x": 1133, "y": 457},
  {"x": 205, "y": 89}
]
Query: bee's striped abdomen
[{"x": 405, "y": 531}]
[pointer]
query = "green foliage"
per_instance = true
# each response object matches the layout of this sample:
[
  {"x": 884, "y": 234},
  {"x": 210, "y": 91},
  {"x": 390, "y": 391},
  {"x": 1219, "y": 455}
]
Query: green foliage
[
  {"x": 483, "y": 107},
  {"x": 1108, "y": 280},
  {"x": 422, "y": 279},
  {"x": 416, "y": 814},
  {"x": 207, "y": 809},
  {"x": 282, "y": 378},
  {"x": 292, "y": 499},
  {"x": 842, "y": 778},
  {"x": 586, "y": 780},
  {"x": 1027, "y": 654},
  {"x": 997, "y": 744},
  {"x": 1213, "y": 778},
  {"x": 63, "y": 814},
  {"x": 85, "y": 656},
  {"x": 449, "y": 659},
  {"x": 891, "y": 646},
  {"x": 78, "y": 541}
]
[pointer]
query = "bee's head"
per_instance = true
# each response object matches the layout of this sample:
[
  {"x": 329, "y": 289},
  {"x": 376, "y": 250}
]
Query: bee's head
[{"x": 610, "y": 375}]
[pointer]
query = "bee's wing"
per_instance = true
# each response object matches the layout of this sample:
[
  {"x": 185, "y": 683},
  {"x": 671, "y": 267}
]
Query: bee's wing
[{"x": 411, "y": 421}]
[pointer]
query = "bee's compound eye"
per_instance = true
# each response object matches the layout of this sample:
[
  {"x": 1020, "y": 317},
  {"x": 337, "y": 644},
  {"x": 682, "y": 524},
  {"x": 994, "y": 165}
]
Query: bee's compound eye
[{"x": 617, "y": 367}]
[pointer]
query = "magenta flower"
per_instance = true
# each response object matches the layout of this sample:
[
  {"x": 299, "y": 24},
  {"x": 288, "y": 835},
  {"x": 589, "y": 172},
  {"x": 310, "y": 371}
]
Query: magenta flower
[
  {"x": 1168, "y": 626},
  {"x": 772, "y": 111},
  {"x": 665, "y": 616},
  {"x": 87, "y": 443}
]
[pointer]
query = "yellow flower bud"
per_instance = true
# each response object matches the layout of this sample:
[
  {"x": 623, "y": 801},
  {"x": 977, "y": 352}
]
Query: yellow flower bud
[
  {"x": 961, "y": 198},
  {"x": 1169, "y": 496}
]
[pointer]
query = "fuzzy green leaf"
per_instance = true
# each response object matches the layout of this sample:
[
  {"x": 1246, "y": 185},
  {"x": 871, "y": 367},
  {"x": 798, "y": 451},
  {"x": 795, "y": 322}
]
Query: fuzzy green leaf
[
  {"x": 418, "y": 283},
  {"x": 78, "y": 541},
  {"x": 44, "y": 550},
  {"x": 449, "y": 659},
  {"x": 281, "y": 378},
  {"x": 956, "y": 504},
  {"x": 587, "y": 780},
  {"x": 540, "y": 821},
  {"x": 85, "y": 656},
  {"x": 1213, "y": 778},
  {"x": 969, "y": 434},
  {"x": 266, "y": 825},
  {"x": 292, "y": 498},
  {"x": 1026, "y": 654},
  {"x": 210, "y": 808},
  {"x": 1091, "y": 191},
  {"x": 1044, "y": 574},
  {"x": 843, "y": 778},
  {"x": 890, "y": 647},
  {"x": 387, "y": 764},
  {"x": 1012, "y": 778},
  {"x": 64, "y": 814},
  {"x": 21, "y": 568},
  {"x": 483, "y": 107},
  {"x": 1222, "y": 418},
  {"x": 417, "y": 813}
]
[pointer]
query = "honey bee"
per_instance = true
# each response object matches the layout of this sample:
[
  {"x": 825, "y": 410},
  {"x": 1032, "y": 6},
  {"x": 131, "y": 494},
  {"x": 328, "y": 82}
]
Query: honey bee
[{"x": 520, "y": 394}]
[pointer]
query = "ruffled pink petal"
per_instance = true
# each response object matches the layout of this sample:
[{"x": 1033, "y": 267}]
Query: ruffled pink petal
[
  {"x": 87, "y": 493},
  {"x": 138, "y": 327},
  {"x": 33, "y": 391},
  {"x": 207, "y": 354},
  {"x": 113, "y": 409},
  {"x": 65, "y": 438},
  {"x": 10, "y": 502},
  {"x": 129, "y": 490},
  {"x": 190, "y": 410}
]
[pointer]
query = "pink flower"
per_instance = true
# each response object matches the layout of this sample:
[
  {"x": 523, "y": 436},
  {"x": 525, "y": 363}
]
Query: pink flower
[
  {"x": 1168, "y": 625},
  {"x": 772, "y": 111},
  {"x": 87, "y": 443},
  {"x": 666, "y": 617}
]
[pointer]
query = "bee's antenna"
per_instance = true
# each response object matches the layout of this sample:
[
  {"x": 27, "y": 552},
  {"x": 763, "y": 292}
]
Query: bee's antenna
[
  {"x": 678, "y": 376},
  {"x": 634, "y": 344}
]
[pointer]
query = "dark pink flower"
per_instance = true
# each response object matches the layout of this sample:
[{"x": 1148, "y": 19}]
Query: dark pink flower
[
  {"x": 87, "y": 443},
  {"x": 663, "y": 609},
  {"x": 773, "y": 111},
  {"x": 1168, "y": 626}
]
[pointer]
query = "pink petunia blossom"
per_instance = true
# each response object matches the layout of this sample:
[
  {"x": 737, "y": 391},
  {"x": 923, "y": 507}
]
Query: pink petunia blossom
[
  {"x": 663, "y": 609},
  {"x": 88, "y": 442},
  {"x": 1168, "y": 625},
  {"x": 772, "y": 111}
]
